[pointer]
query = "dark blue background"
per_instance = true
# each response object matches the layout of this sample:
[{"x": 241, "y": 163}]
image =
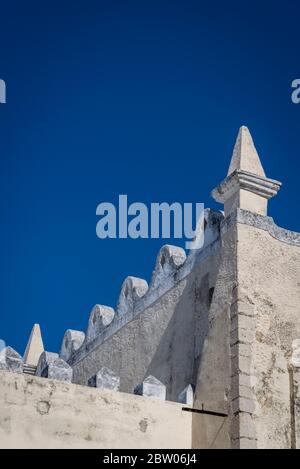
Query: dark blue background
[{"x": 136, "y": 97}]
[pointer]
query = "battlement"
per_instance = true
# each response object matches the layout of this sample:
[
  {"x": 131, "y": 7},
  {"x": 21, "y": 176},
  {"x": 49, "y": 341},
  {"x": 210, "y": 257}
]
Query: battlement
[
  {"x": 217, "y": 330},
  {"x": 172, "y": 266}
]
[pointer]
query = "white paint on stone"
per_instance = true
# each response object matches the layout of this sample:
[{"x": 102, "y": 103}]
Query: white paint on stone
[
  {"x": 100, "y": 318},
  {"x": 50, "y": 365},
  {"x": 187, "y": 396},
  {"x": 34, "y": 346},
  {"x": 10, "y": 360},
  {"x": 169, "y": 259},
  {"x": 71, "y": 342},
  {"x": 152, "y": 387},
  {"x": 105, "y": 379}
]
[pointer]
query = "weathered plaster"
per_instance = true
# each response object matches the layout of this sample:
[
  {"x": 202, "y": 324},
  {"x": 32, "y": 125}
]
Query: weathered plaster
[
  {"x": 43, "y": 413},
  {"x": 269, "y": 284}
]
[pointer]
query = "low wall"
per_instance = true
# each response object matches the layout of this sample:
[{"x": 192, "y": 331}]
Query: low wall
[{"x": 43, "y": 413}]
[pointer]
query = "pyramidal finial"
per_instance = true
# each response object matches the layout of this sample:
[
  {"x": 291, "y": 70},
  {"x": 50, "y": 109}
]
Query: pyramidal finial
[
  {"x": 246, "y": 186},
  {"x": 35, "y": 346},
  {"x": 245, "y": 156}
]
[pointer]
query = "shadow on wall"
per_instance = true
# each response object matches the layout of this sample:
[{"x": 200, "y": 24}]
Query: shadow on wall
[
  {"x": 177, "y": 356},
  {"x": 209, "y": 432}
]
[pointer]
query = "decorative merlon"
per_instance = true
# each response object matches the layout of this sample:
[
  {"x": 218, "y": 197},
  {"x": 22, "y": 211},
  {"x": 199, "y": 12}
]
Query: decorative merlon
[
  {"x": 151, "y": 387},
  {"x": 132, "y": 290},
  {"x": 295, "y": 358},
  {"x": 101, "y": 317},
  {"x": 35, "y": 347},
  {"x": 187, "y": 396},
  {"x": 246, "y": 185},
  {"x": 72, "y": 341},
  {"x": 50, "y": 365},
  {"x": 10, "y": 360}
]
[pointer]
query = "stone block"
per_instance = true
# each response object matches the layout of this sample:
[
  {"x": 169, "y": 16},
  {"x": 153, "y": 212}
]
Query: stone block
[
  {"x": 240, "y": 385},
  {"x": 34, "y": 347},
  {"x": 105, "y": 379},
  {"x": 100, "y": 318},
  {"x": 246, "y": 425},
  {"x": 50, "y": 365},
  {"x": 239, "y": 294},
  {"x": 240, "y": 364},
  {"x": 239, "y": 390},
  {"x": 243, "y": 404},
  {"x": 234, "y": 337},
  {"x": 169, "y": 259},
  {"x": 295, "y": 359},
  {"x": 45, "y": 359},
  {"x": 244, "y": 443},
  {"x": 133, "y": 289},
  {"x": 244, "y": 380},
  {"x": 72, "y": 341},
  {"x": 238, "y": 426},
  {"x": 235, "y": 443},
  {"x": 151, "y": 387},
  {"x": 10, "y": 360},
  {"x": 187, "y": 396}
]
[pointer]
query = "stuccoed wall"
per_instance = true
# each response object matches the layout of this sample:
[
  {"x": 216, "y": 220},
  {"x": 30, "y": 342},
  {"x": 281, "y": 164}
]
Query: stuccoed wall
[
  {"x": 43, "y": 413},
  {"x": 268, "y": 260}
]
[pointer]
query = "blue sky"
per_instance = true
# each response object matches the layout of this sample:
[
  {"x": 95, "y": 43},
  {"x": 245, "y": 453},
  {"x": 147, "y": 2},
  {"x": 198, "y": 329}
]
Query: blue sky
[{"x": 128, "y": 97}]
